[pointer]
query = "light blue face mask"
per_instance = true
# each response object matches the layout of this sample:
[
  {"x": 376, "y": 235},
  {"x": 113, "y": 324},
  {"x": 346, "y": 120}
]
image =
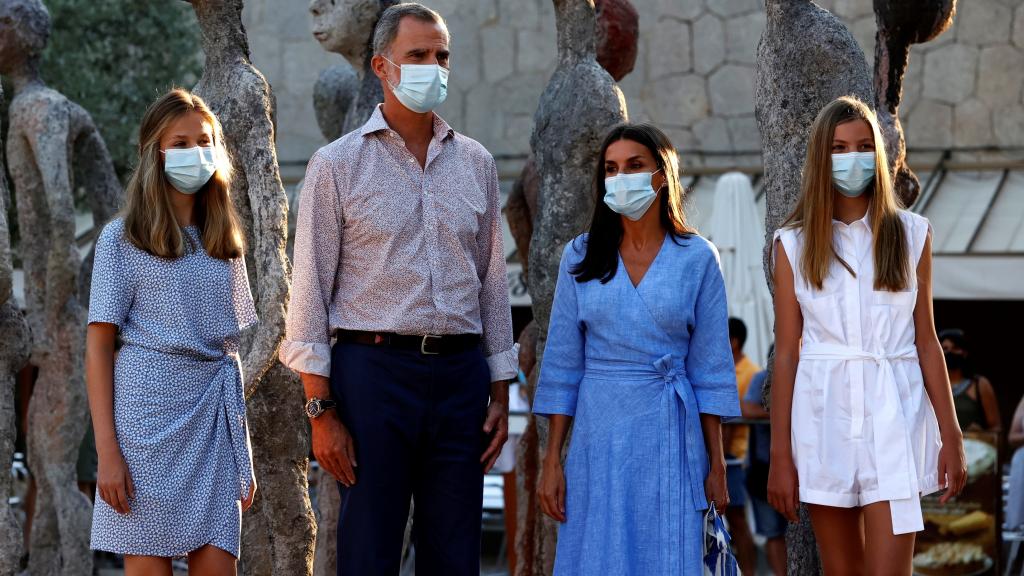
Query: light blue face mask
[
  {"x": 630, "y": 194},
  {"x": 423, "y": 86},
  {"x": 189, "y": 169},
  {"x": 853, "y": 172}
]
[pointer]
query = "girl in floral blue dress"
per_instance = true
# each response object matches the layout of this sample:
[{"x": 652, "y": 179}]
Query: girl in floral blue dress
[{"x": 169, "y": 282}]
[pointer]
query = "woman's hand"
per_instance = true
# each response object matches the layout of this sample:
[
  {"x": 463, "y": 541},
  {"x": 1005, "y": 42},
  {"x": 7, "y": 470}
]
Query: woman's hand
[
  {"x": 952, "y": 467},
  {"x": 552, "y": 489},
  {"x": 783, "y": 487},
  {"x": 114, "y": 482},
  {"x": 247, "y": 501},
  {"x": 716, "y": 488}
]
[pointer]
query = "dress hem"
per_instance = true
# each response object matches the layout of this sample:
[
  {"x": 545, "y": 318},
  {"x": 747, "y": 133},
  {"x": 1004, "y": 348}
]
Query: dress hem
[{"x": 126, "y": 551}]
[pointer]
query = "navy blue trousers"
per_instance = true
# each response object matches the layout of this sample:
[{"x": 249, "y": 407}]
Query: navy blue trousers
[{"x": 417, "y": 423}]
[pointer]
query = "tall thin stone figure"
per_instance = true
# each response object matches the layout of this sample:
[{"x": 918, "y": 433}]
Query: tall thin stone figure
[
  {"x": 578, "y": 107},
  {"x": 14, "y": 352},
  {"x": 346, "y": 27},
  {"x": 279, "y": 530},
  {"x": 806, "y": 59},
  {"x": 900, "y": 25},
  {"x": 53, "y": 148}
]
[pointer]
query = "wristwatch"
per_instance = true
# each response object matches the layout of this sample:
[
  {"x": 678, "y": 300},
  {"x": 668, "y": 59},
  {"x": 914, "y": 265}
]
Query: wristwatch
[{"x": 316, "y": 406}]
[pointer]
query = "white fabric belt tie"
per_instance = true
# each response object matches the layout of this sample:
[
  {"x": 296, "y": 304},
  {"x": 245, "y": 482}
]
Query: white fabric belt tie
[
  {"x": 824, "y": 351},
  {"x": 896, "y": 468}
]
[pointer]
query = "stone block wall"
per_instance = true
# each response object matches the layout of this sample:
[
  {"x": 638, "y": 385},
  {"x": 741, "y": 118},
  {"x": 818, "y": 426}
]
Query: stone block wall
[{"x": 694, "y": 74}]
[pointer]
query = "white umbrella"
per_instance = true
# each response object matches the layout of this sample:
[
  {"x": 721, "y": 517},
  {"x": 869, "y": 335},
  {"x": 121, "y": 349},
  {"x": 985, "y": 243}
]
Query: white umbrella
[{"x": 738, "y": 233}]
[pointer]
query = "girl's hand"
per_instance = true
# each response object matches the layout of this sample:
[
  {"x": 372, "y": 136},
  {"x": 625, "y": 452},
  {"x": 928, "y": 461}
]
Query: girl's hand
[
  {"x": 552, "y": 490},
  {"x": 114, "y": 483},
  {"x": 247, "y": 501},
  {"x": 783, "y": 487},
  {"x": 952, "y": 467},
  {"x": 716, "y": 488}
]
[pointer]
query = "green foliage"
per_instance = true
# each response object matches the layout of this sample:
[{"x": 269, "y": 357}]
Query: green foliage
[{"x": 114, "y": 57}]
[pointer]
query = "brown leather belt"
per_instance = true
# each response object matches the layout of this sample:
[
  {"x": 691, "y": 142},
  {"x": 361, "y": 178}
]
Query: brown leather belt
[{"x": 427, "y": 344}]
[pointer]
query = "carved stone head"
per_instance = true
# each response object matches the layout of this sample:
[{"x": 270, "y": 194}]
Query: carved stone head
[
  {"x": 24, "y": 32},
  {"x": 346, "y": 26}
]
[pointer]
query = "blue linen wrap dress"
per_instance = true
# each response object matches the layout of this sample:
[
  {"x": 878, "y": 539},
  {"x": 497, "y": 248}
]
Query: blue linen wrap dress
[
  {"x": 635, "y": 367},
  {"x": 179, "y": 409}
]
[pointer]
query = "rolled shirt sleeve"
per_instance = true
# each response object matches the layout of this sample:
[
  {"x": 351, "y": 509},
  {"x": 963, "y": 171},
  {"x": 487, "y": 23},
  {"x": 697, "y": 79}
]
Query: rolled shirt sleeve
[
  {"x": 307, "y": 344},
  {"x": 709, "y": 362},
  {"x": 495, "y": 312}
]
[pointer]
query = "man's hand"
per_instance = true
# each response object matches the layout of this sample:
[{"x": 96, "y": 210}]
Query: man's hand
[
  {"x": 496, "y": 424},
  {"x": 332, "y": 444},
  {"x": 333, "y": 447}
]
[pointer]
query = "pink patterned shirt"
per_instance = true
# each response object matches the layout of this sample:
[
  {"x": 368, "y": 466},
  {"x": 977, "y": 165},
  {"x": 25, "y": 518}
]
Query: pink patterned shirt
[{"x": 384, "y": 246}]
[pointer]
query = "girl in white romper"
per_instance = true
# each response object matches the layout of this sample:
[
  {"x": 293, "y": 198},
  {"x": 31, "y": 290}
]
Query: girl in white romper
[{"x": 862, "y": 416}]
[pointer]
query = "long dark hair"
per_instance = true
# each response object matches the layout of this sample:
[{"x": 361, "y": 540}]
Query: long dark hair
[{"x": 601, "y": 259}]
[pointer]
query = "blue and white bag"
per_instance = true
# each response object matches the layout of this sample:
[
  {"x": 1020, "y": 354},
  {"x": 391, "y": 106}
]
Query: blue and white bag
[{"x": 718, "y": 558}]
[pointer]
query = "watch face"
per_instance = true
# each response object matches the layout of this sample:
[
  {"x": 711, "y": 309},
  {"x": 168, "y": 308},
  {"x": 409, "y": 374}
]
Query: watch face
[{"x": 313, "y": 408}]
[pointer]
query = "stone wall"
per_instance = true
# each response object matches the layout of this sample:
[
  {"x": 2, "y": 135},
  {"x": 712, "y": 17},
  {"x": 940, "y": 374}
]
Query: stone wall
[{"x": 694, "y": 74}]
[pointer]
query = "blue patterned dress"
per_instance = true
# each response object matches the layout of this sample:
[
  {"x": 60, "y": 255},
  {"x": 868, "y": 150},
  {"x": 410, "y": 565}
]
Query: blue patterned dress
[
  {"x": 179, "y": 411},
  {"x": 635, "y": 367}
]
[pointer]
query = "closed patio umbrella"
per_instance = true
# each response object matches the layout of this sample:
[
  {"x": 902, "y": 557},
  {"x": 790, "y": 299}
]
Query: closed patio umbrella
[{"x": 738, "y": 233}]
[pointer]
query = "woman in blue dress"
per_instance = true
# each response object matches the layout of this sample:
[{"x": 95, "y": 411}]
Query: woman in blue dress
[
  {"x": 638, "y": 358},
  {"x": 169, "y": 281}
]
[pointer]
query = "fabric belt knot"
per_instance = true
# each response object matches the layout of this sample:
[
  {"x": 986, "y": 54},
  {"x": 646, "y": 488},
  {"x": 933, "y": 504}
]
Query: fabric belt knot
[
  {"x": 895, "y": 462},
  {"x": 233, "y": 397},
  {"x": 678, "y": 412}
]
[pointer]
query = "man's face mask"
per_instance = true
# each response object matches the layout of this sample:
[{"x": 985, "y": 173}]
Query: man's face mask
[{"x": 423, "y": 86}]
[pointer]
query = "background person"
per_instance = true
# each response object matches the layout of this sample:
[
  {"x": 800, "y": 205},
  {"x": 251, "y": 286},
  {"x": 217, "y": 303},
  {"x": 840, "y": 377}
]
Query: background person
[
  {"x": 973, "y": 396},
  {"x": 736, "y": 438}
]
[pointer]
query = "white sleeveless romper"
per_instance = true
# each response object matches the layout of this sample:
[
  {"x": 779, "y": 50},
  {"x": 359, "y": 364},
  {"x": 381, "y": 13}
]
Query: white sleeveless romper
[{"x": 863, "y": 428}]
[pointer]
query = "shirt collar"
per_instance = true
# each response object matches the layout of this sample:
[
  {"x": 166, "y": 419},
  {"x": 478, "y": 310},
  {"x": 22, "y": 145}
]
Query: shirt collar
[
  {"x": 377, "y": 123},
  {"x": 862, "y": 222}
]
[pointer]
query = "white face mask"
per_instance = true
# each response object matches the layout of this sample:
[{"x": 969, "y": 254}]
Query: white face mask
[
  {"x": 853, "y": 172},
  {"x": 423, "y": 86},
  {"x": 189, "y": 169},
  {"x": 630, "y": 194}
]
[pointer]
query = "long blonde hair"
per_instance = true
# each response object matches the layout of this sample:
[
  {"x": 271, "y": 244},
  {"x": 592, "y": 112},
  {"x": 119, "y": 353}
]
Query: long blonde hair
[
  {"x": 813, "y": 212},
  {"x": 149, "y": 221}
]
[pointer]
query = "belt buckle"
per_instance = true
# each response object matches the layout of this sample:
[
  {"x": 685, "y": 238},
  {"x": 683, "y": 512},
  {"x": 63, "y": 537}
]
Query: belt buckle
[{"x": 423, "y": 345}]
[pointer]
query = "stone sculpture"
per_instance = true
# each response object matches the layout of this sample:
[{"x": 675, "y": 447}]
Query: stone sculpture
[
  {"x": 901, "y": 24},
  {"x": 280, "y": 531},
  {"x": 617, "y": 34},
  {"x": 344, "y": 101},
  {"x": 578, "y": 107},
  {"x": 618, "y": 29},
  {"x": 806, "y": 59},
  {"x": 53, "y": 149},
  {"x": 14, "y": 352},
  {"x": 333, "y": 94}
]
